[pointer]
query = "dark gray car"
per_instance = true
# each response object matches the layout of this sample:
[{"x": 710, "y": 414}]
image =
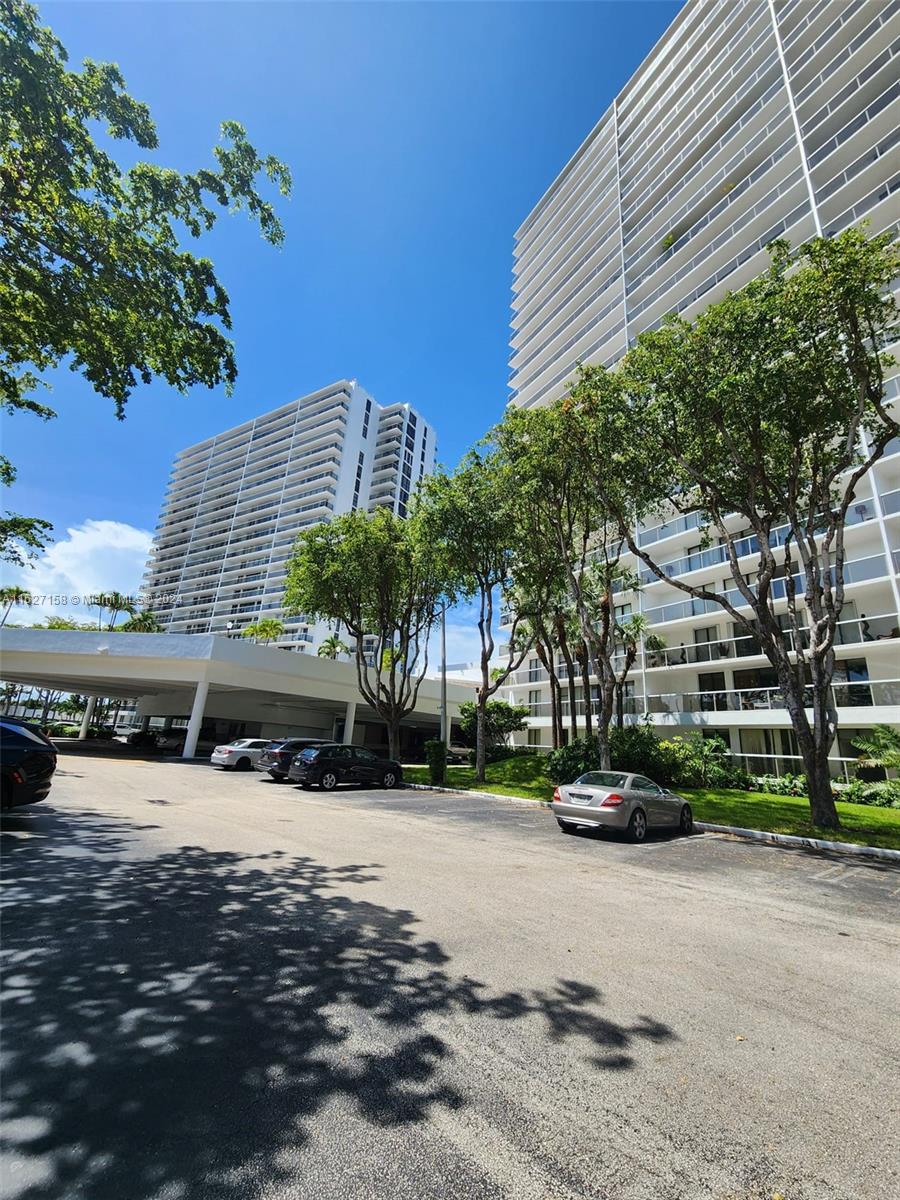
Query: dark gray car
[{"x": 618, "y": 800}]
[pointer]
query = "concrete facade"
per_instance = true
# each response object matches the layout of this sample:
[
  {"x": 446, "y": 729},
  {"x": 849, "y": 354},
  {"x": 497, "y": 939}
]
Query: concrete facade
[
  {"x": 236, "y": 502},
  {"x": 749, "y": 120}
]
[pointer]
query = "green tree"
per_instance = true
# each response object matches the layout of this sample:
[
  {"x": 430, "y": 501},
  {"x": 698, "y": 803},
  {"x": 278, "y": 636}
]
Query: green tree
[
  {"x": 469, "y": 517},
  {"x": 10, "y": 596},
  {"x": 115, "y": 602},
  {"x": 497, "y": 720},
  {"x": 93, "y": 271},
  {"x": 141, "y": 622},
  {"x": 65, "y": 623},
  {"x": 266, "y": 630},
  {"x": 72, "y": 706},
  {"x": 331, "y": 647},
  {"x": 552, "y": 455},
  {"x": 385, "y": 582},
  {"x": 770, "y": 407}
]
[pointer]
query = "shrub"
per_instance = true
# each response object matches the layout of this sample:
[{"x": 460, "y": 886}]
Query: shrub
[
  {"x": 436, "y": 757},
  {"x": 884, "y": 793},
  {"x": 636, "y": 748},
  {"x": 703, "y": 762},
  {"x": 782, "y": 785},
  {"x": 568, "y": 762}
]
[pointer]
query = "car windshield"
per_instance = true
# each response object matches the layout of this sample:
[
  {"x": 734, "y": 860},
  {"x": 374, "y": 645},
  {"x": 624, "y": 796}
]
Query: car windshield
[
  {"x": 241, "y": 742},
  {"x": 603, "y": 779}
]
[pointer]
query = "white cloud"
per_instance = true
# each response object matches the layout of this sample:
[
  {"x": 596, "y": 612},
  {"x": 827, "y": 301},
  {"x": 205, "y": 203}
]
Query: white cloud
[{"x": 96, "y": 556}]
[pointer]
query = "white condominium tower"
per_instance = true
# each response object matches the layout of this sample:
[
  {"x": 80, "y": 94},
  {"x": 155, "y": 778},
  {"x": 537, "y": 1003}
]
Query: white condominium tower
[
  {"x": 236, "y": 502},
  {"x": 749, "y": 120}
]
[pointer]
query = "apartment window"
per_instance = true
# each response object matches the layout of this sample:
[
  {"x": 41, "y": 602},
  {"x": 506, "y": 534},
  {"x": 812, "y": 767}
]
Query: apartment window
[
  {"x": 534, "y": 737},
  {"x": 534, "y": 698}
]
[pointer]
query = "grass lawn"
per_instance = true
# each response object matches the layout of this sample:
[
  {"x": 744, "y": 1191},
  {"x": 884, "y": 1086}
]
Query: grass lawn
[{"x": 860, "y": 823}]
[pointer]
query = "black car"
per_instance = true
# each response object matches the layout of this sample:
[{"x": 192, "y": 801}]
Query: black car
[
  {"x": 277, "y": 757},
  {"x": 330, "y": 764},
  {"x": 28, "y": 761}
]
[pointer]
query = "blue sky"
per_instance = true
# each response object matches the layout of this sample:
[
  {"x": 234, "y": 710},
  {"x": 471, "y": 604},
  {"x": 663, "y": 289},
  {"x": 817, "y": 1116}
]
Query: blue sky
[{"x": 419, "y": 136}]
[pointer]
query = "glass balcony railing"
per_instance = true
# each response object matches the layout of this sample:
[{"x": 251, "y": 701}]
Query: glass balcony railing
[
  {"x": 860, "y": 570},
  {"x": 862, "y": 510},
  {"x": 863, "y": 694},
  {"x": 848, "y": 633}
]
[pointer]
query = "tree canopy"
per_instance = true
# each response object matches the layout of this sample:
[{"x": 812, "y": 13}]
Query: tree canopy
[
  {"x": 385, "y": 582},
  {"x": 762, "y": 416},
  {"x": 93, "y": 272}
]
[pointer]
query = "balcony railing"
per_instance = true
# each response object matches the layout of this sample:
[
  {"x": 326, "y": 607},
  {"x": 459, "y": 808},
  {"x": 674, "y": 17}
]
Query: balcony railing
[
  {"x": 858, "y": 571},
  {"x": 863, "y": 510},
  {"x": 864, "y": 694},
  {"x": 847, "y": 633}
]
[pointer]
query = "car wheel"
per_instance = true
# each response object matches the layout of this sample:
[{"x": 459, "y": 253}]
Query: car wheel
[
  {"x": 243, "y": 764},
  {"x": 686, "y": 821},
  {"x": 328, "y": 781},
  {"x": 566, "y": 826},
  {"x": 637, "y": 826},
  {"x": 389, "y": 779}
]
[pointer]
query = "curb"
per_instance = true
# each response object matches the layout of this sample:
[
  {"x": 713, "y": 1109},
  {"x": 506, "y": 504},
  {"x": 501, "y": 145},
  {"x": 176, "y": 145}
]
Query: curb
[
  {"x": 449, "y": 791},
  {"x": 754, "y": 835},
  {"x": 803, "y": 843}
]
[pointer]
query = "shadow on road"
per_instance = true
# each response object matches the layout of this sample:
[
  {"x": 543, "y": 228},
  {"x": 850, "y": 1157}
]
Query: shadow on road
[{"x": 172, "y": 1024}]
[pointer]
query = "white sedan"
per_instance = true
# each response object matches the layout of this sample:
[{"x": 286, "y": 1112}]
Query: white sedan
[{"x": 241, "y": 753}]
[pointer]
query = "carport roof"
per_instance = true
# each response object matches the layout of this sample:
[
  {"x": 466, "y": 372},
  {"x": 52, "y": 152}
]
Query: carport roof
[{"x": 145, "y": 664}]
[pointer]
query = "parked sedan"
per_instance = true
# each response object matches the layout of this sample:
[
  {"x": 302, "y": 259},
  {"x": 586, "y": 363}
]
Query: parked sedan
[
  {"x": 277, "y": 756},
  {"x": 616, "y": 800},
  {"x": 331, "y": 764},
  {"x": 28, "y": 761},
  {"x": 240, "y": 754}
]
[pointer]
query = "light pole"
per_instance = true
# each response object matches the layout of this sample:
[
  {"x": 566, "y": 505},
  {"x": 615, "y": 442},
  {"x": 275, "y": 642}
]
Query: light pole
[{"x": 445, "y": 723}]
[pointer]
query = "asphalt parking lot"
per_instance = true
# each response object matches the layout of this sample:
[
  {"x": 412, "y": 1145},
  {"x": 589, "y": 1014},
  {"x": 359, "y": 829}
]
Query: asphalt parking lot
[{"x": 217, "y": 986}]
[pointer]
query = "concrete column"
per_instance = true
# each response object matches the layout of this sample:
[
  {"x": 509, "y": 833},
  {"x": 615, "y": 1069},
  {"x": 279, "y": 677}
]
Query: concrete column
[
  {"x": 145, "y": 724},
  {"x": 87, "y": 718},
  {"x": 194, "y": 724},
  {"x": 349, "y": 722}
]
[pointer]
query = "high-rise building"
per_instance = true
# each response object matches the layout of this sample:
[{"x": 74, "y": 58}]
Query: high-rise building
[
  {"x": 749, "y": 120},
  {"x": 236, "y": 502}
]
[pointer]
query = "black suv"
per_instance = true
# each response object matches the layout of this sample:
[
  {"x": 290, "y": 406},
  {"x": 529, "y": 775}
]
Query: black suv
[
  {"x": 277, "y": 756},
  {"x": 330, "y": 764},
  {"x": 28, "y": 762}
]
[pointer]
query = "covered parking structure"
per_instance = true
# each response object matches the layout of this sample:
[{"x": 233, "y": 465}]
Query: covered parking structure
[{"x": 222, "y": 686}]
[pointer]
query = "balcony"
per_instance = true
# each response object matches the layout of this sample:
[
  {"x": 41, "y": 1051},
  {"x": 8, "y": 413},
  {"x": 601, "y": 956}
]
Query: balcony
[
  {"x": 865, "y": 694},
  {"x": 859, "y": 570},
  {"x": 847, "y": 633}
]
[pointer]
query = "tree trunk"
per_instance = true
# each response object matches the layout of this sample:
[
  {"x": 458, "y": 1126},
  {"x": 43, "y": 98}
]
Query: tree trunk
[
  {"x": 603, "y": 743},
  {"x": 584, "y": 664},
  {"x": 393, "y": 732},
  {"x": 814, "y": 744},
  {"x": 570, "y": 673},
  {"x": 620, "y": 706},
  {"x": 480, "y": 756}
]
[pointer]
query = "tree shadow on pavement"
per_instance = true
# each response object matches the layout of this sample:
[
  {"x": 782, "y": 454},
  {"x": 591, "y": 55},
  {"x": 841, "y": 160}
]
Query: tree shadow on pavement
[{"x": 172, "y": 1024}]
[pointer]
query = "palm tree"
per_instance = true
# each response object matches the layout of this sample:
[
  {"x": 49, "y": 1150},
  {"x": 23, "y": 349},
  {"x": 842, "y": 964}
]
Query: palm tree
[
  {"x": 142, "y": 622},
  {"x": 332, "y": 647},
  {"x": 10, "y": 596},
  {"x": 115, "y": 602},
  {"x": 880, "y": 747},
  {"x": 266, "y": 629}
]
